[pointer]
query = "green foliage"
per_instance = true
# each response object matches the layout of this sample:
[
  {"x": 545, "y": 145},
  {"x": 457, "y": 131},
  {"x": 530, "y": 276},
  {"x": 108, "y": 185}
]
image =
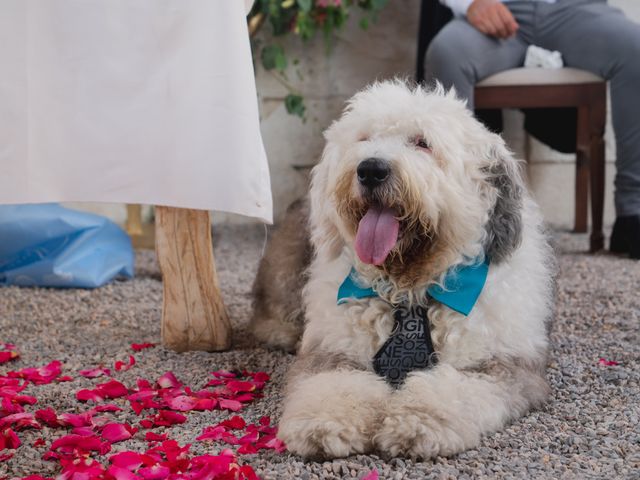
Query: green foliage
[
  {"x": 273, "y": 57},
  {"x": 295, "y": 105},
  {"x": 305, "y": 19}
]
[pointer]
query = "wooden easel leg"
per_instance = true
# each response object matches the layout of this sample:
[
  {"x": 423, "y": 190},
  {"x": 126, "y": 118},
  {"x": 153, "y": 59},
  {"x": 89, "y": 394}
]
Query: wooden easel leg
[{"x": 193, "y": 314}]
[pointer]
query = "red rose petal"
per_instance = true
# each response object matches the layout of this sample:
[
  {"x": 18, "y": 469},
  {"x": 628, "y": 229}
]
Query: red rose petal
[
  {"x": 146, "y": 423},
  {"x": 608, "y": 363},
  {"x": 19, "y": 421},
  {"x": 237, "y": 386},
  {"x": 141, "y": 346},
  {"x": 218, "y": 433},
  {"x": 7, "y": 356},
  {"x": 247, "y": 449},
  {"x": 168, "y": 380},
  {"x": 117, "y": 432},
  {"x": 6, "y": 456},
  {"x": 109, "y": 407},
  {"x": 214, "y": 464},
  {"x": 155, "y": 437},
  {"x": 49, "y": 417},
  {"x": 372, "y": 475},
  {"x": 121, "y": 366},
  {"x": 129, "y": 460},
  {"x": 40, "y": 375},
  {"x": 95, "y": 372},
  {"x": 155, "y": 472},
  {"x": 9, "y": 439},
  {"x": 76, "y": 420},
  {"x": 110, "y": 389},
  {"x": 38, "y": 442},
  {"x": 274, "y": 443},
  {"x": 113, "y": 389},
  {"x": 229, "y": 404},
  {"x": 247, "y": 472},
  {"x": 182, "y": 403},
  {"x": 167, "y": 418},
  {"x": 88, "y": 395},
  {"x": 119, "y": 473},
  {"x": 234, "y": 423}
]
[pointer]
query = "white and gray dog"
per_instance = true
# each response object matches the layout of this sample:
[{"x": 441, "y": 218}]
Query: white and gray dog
[{"x": 421, "y": 276}]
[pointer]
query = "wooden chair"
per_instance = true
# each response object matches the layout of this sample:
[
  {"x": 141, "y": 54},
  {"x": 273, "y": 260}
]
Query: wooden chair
[{"x": 544, "y": 88}]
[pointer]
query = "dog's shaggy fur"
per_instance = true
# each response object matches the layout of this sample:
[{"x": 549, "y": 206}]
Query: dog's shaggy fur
[{"x": 458, "y": 195}]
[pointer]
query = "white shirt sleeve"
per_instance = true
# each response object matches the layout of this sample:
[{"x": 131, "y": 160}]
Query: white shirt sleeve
[{"x": 459, "y": 7}]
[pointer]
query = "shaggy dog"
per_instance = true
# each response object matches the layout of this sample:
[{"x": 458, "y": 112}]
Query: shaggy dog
[{"x": 411, "y": 190}]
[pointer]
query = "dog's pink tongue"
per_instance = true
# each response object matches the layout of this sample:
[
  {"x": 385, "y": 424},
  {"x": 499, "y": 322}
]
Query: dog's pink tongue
[{"x": 377, "y": 235}]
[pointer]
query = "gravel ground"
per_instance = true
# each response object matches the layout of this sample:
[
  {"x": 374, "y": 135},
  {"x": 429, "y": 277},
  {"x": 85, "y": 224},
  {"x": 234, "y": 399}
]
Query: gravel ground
[{"x": 589, "y": 429}]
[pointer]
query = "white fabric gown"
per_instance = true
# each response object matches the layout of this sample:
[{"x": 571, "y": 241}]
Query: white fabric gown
[{"x": 136, "y": 101}]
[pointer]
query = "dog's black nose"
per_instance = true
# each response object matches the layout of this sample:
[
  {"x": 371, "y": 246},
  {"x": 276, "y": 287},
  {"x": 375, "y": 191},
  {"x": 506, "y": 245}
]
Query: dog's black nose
[{"x": 373, "y": 172}]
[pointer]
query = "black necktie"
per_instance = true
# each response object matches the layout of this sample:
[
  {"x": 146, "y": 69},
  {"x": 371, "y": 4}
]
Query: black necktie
[{"x": 408, "y": 348}]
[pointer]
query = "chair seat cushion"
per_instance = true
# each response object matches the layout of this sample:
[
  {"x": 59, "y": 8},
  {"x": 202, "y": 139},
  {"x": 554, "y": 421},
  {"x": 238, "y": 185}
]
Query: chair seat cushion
[{"x": 539, "y": 76}]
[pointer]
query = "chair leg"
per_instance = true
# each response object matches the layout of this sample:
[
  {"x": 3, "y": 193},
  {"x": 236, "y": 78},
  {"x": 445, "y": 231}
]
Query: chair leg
[
  {"x": 583, "y": 160},
  {"x": 598, "y": 118},
  {"x": 193, "y": 314}
]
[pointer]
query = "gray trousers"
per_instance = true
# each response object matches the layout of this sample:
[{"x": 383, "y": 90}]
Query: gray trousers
[{"x": 591, "y": 36}]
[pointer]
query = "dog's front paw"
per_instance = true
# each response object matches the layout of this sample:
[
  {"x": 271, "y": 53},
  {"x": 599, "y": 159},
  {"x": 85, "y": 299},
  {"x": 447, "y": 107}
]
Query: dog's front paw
[
  {"x": 421, "y": 422},
  {"x": 322, "y": 437},
  {"x": 332, "y": 414},
  {"x": 404, "y": 434}
]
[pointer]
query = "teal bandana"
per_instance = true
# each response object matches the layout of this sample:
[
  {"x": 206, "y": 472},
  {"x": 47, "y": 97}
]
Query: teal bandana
[{"x": 461, "y": 289}]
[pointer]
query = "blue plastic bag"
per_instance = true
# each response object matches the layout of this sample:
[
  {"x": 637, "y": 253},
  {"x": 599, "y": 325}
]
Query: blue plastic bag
[{"x": 47, "y": 245}]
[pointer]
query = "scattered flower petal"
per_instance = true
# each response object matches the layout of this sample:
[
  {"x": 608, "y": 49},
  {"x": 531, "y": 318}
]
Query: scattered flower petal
[
  {"x": 39, "y": 375},
  {"x": 121, "y": 366},
  {"x": 8, "y": 352},
  {"x": 95, "y": 372},
  {"x": 9, "y": 440},
  {"x": 168, "y": 380},
  {"x": 372, "y": 475},
  {"x": 117, "y": 432},
  {"x": 141, "y": 346},
  {"x": 155, "y": 437},
  {"x": 608, "y": 363}
]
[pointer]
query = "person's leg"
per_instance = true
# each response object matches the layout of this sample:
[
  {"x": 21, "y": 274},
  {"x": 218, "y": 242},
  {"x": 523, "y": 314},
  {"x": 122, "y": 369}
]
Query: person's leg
[
  {"x": 459, "y": 56},
  {"x": 596, "y": 37}
]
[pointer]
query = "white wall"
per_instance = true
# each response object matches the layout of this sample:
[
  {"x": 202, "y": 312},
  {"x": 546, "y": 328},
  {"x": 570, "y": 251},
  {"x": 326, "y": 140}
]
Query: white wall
[{"x": 358, "y": 57}]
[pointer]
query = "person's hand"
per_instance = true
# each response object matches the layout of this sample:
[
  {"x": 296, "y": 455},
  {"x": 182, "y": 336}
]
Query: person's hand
[{"x": 491, "y": 17}]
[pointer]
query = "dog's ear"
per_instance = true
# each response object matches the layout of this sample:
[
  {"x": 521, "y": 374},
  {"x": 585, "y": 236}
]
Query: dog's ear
[
  {"x": 504, "y": 227},
  {"x": 325, "y": 237}
]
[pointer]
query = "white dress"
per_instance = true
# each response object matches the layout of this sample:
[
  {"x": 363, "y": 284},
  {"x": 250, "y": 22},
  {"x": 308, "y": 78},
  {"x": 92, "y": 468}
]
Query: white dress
[{"x": 136, "y": 101}]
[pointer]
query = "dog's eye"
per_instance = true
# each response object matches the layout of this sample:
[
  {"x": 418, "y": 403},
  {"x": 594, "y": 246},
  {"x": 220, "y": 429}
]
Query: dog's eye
[
  {"x": 422, "y": 143},
  {"x": 363, "y": 138}
]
